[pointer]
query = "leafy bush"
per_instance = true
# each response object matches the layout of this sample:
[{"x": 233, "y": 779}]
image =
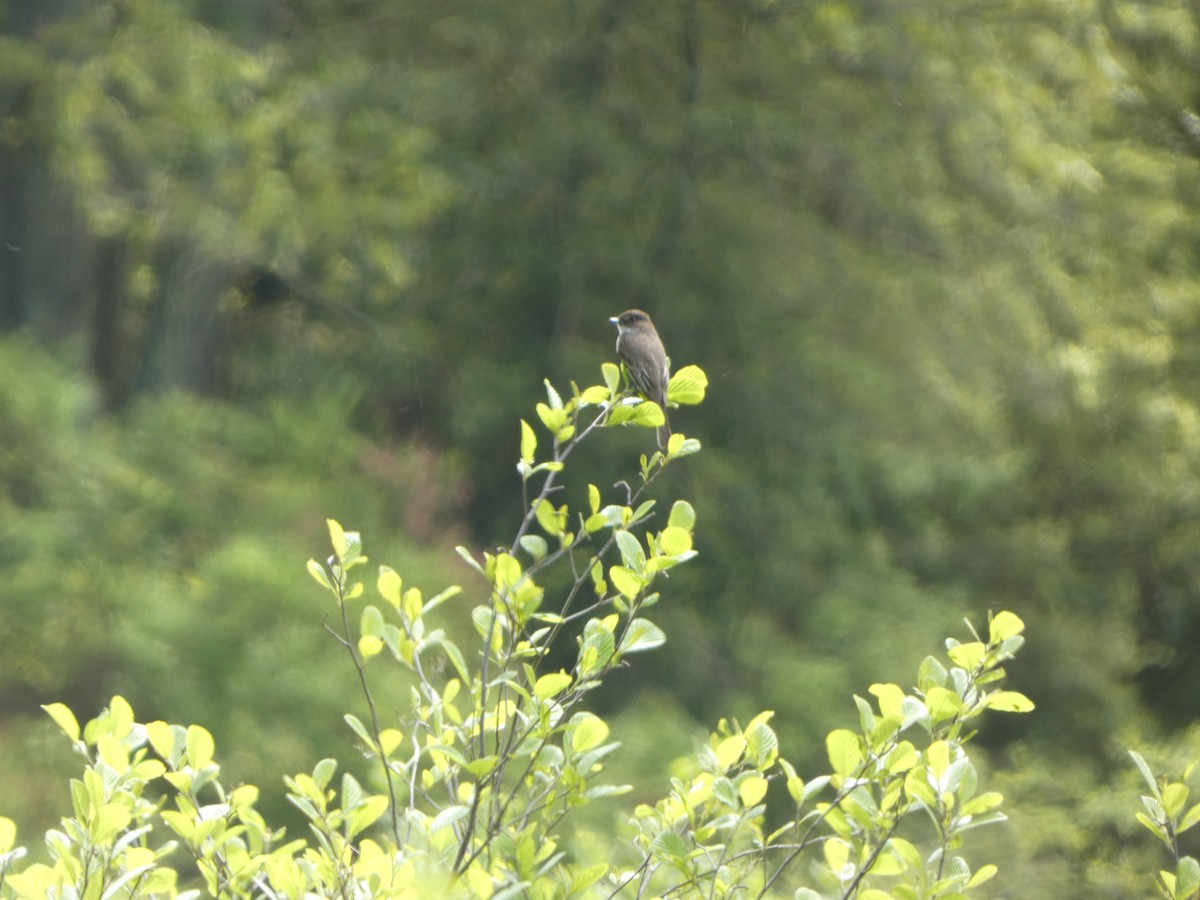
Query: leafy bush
[
  {"x": 152, "y": 555},
  {"x": 496, "y": 751}
]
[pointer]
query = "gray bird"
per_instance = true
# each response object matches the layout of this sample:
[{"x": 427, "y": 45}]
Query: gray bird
[{"x": 645, "y": 358}]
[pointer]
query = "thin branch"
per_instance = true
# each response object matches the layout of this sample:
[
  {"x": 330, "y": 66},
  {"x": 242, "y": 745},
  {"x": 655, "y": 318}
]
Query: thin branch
[{"x": 376, "y": 728}]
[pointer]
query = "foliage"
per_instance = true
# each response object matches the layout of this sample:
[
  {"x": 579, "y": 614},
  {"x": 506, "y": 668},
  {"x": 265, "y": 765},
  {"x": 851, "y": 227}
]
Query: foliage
[
  {"x": 939, "y": 259},
  {"x": 1166, "y": 815},
  {"x": 148, "y": 557},
  {"x": 495, "y": 752}
]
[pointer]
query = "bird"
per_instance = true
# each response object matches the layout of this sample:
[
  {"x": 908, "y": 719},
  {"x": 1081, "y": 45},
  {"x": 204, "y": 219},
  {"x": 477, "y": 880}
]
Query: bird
[{"x": 645, "y": 358}]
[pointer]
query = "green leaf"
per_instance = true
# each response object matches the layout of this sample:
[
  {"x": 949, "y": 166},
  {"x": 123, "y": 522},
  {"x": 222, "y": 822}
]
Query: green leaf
[
  {"x": 389, "y": 585},
  {"x": 612, "y": 377},
  {"x": 983, "y": 803},
  {"x": 585, "y": 878},
  {"x": 456, "y": 659},
  {"x": 1004, "y": 625},
  {"x": 553, "y": 419},
  {"x": 641, "y": 635},
  {"x": 371, "y": 623},
  {"x": 1147, "y": 775},
  {"x": 903, "y": 757},
  {"x": 682, "y": 515},
  {"x": 1189, "y": 820},
  {"x": 597, "y": 647},
  {"x": 487, "y": 623},
  {"x": 8, "y": 835},
  {"x": 551, "y": 519},
  {"x": 109, "y": 820},
  {"x": 967, "y": 655},
  {"x": 669, "y": 845},
  {"x": 359, "y": 729},
  {"x": 317, "y": 571},
  {"x": 625, "y": 581},
  {"x": 942, "y": 703},
  {"x": 795, "y": 784},
  {"x": 448, "y": 817},
  {"x": 337, "y": 537},
  {"x": 931, "y": 673},
  {"x": 551, "y": 685},
  {"x": 1187, "y": 877},
  {"x": 466, "y": 556},
  {"x": 675, "y": 541},
  {"x": 985, "y": 873},
  {"x": 648, "y": 414},
  {"x": 586, "y": 731},
  {"x": 594, "y": 395},
  {"x": 64, "y": 719},
  {"x": 535, "y": 545},
  {"x": 1174, "y": 798},
  {"x": 1009, "y": 701},
  {"x": 762, "y": 744},
  {"x": 200, "y": 747},
  {"x": 845, "y": 754},
  {"x": 752, "y": 789},
  {"x": 365, "y": 814},
  {"x": 917, "y": 786},
  {"x": 324, "y": 770},
  {"x": 890, "y": 698},
  {"x": 631, "y": 551},
  {"x": 687, "y": 386},
  {"x": 623, "y": 413},
  {"x": 528, "y": 442},
  {"x": 411, "y": 605},
  {"x": 679, "y": 446}
]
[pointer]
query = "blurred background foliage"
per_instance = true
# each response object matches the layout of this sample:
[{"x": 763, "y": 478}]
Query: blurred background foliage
[{"x": 270, "y": 261}]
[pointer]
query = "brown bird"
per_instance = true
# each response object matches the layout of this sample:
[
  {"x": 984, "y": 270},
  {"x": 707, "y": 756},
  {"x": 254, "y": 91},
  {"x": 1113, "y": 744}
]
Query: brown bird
[{"x": 645, "y": 358}]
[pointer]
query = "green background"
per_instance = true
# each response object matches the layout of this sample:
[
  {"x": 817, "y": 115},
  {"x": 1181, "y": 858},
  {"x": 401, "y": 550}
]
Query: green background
[{"x": 271, "y": 261}]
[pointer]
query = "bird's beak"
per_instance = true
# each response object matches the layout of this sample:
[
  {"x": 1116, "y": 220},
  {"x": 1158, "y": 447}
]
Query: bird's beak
[{"x": 613, "y": 319}]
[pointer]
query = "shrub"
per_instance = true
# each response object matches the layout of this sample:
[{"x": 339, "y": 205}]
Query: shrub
[{"x": 476, "y": 782}]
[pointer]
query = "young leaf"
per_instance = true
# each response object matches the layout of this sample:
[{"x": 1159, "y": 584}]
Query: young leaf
[
  {"x": 752, "y": 790},
  {"x": 675, "y": 541},
  {"x": 625, "y": 581},
  {"x": 687, "y": 386},
  {"x": 317, "y": 571},
  {"x": 586, "y": 731},
  {"x": 535, "y": 545},
  {"x": 1189, "y": 820},
  {"x": 200, "y": 747},
  {"x": 389, "y": 585},
  {"x": 1144, "y": 768},
  {"x": 682, "y": 515},
  {"x": 64, "y": 719},
  {"x": 1004, "y": 625},
  {"x": 967, "y": 655},
  {"x": 641, "y": 635},
  {"x": 337, "y": 537},
  {"x": 1009, "y": 701},
  {"x": 528, "y": 442},
  {"x": 551, "y": 685},
  {"x": 612, "y": 377},
  {"x": 845, "y": 754}
]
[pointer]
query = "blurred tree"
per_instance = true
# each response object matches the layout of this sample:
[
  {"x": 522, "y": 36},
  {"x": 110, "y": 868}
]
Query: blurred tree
[{"x": 939, "y": 259}]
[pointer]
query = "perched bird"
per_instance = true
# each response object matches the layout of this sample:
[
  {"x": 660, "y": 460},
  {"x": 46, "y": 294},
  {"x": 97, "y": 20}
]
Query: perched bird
[{"x": 642, "y": 351}]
